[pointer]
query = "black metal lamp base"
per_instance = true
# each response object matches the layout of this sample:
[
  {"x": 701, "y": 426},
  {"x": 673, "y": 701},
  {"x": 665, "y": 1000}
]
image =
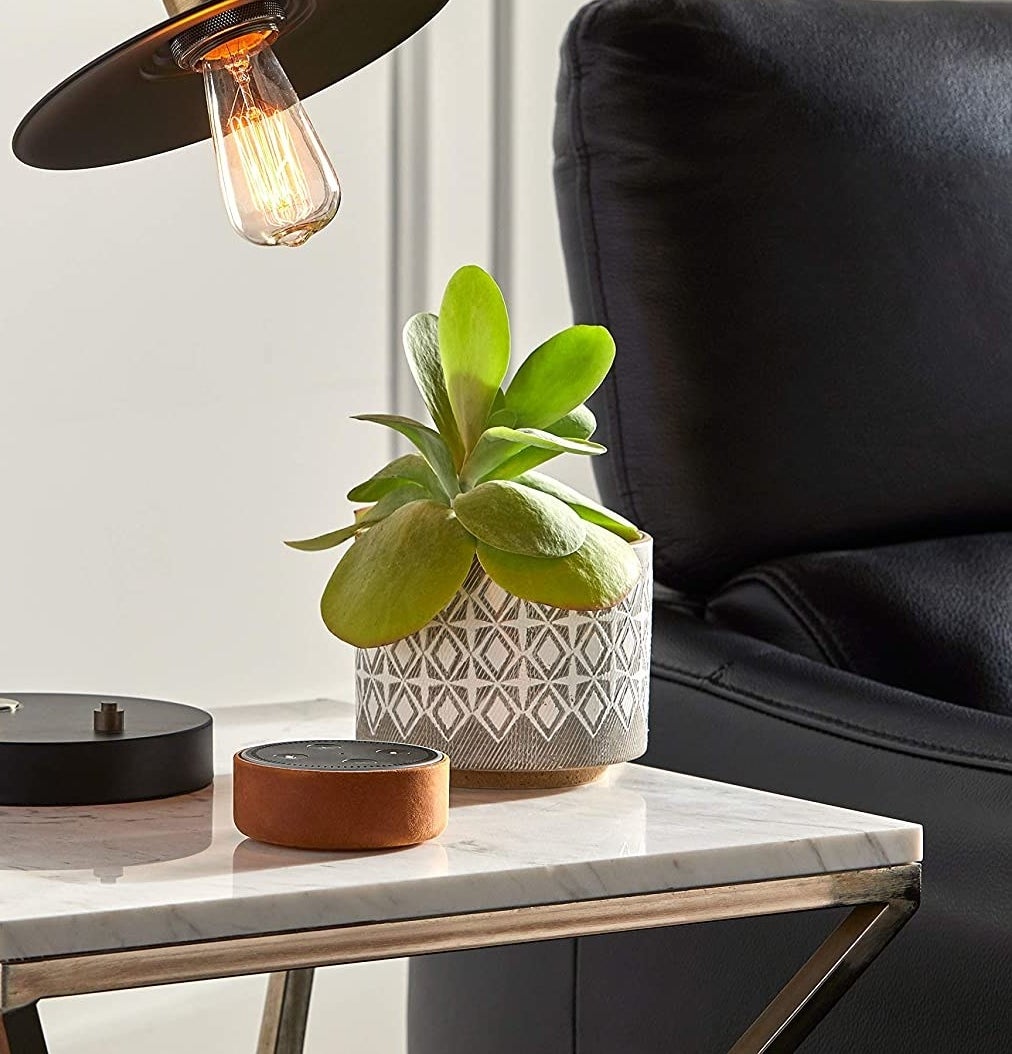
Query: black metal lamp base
[{"x": 100, "y": 750}]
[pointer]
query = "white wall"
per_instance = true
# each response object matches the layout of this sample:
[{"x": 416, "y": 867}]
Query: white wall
[
  {"x": 174, "y": 403},
  {"x": 540, "y": 296},
  {"x": 461, "y": 168}
]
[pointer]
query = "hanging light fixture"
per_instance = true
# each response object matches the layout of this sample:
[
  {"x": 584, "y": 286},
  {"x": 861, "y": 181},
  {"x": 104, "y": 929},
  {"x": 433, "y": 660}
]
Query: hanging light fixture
[{"x": 145, "y": 97}]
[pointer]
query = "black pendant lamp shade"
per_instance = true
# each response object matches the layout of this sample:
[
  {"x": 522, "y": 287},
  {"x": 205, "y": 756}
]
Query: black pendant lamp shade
[{"x": 135, "y": 100}]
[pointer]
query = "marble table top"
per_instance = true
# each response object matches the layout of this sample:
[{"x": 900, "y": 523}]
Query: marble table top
[{"x": 123, "y": 876}]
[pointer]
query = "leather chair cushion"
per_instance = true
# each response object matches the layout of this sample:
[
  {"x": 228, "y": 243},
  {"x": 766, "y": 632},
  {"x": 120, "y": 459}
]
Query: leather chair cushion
[
  {"x": 930, "y": 617},
  {"x": 796, "y": 219}
]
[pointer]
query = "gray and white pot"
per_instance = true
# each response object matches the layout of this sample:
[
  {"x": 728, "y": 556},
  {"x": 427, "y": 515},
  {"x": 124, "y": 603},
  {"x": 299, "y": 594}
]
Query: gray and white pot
[{"x": 518, "y": 694}]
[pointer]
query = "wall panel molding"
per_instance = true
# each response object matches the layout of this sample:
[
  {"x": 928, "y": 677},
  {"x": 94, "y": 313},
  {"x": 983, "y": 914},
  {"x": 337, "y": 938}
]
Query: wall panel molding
[{"x": 409, "y": 211}]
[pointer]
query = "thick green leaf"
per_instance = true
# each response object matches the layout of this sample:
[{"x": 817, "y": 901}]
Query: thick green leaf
[
  {"x": 430, "y": 443},
  {"x": 540, "y": 438},
  {"x": 474, "y": 346},
  {"x": 326, "y": 541},
  {"x": 390, "y": 502},
  {"x": 577, "y": 424},
  {"x": 520, "y": 463},
  {"x": 409, "y": 468},
  {"x": 520, "y": 520},
  {"x": 398, "y": 575},
  {"x": 598, "y": 575},
  {"x": 421, "y": 345},
  {"x": 499, "y": 444},
  {"x": 502, "y": 417},
  {"x": 584, "y": 507},
  {"x": 557, "y": 376}
]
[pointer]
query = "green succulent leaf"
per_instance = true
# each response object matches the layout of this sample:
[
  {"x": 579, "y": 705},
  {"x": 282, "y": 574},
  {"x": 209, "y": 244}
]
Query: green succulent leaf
[
  {"x": 520, "y": 463},
  {"x": 398, "y": 575},
  {"x": 474, "y": 347},
  {"x": 498, "y": 444},
  {"x": 519, "y": 519},
  {"x": 557, "y": 376},
  {"x": 598, "y": 575},
  {"x": 421, "y": 346},
  {"x": 326, "y": 541},
  {"x": 430, "y": 443},
  {"x": 409, "y": 468},
  {"x": 586, "y": 508},
  {"x": 499, "y": 414},
  {"x": 577, "y": 424},
  {"x": 540, "y": 438},
  {"x": 502, "y": 417},
  {"x": 389, "y": 503}
]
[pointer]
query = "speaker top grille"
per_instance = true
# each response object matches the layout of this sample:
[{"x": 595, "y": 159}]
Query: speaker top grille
[{"x": 340, "y": 755}]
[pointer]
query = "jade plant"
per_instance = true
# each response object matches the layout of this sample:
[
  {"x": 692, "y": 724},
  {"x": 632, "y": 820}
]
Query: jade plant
[{"x": 472, "y": 490}]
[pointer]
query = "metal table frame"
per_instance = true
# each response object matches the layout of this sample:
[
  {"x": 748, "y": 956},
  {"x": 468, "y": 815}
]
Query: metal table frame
[{"x": 882, "y": 899}]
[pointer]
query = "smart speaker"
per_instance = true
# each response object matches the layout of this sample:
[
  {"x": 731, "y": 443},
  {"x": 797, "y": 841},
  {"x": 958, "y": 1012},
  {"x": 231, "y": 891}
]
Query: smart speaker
[{"x": 341, "y": 794}]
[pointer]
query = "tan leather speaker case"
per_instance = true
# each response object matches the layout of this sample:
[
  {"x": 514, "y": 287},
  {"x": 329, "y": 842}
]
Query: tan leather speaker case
[{"x": 327, "y": 808}]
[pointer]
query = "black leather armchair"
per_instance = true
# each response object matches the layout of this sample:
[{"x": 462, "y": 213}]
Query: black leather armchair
[{"x": 796, "y": 218}]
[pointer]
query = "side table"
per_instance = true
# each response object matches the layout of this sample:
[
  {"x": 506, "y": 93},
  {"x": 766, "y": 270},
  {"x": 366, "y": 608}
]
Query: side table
[{"x": 115, "y": 897}]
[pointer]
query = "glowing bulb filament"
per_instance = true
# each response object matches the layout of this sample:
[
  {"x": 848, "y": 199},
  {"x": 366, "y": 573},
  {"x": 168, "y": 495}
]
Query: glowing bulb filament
[
  {"x": 265, "y": 148},
  {"x": 278, "y": 182}
]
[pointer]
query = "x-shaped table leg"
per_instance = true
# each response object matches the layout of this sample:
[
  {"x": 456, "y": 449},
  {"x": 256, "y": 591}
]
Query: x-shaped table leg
[
  {"x": 21, "y": 1031},
  {"x": 816, "y": 988}
]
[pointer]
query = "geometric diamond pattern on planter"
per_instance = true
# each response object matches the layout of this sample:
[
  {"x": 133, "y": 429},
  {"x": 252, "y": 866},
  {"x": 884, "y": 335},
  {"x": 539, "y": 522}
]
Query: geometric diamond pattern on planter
[{"x": 503, "y": 684}]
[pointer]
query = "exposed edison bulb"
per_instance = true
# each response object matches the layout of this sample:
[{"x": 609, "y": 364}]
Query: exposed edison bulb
[{"x": 279, "y": 186}]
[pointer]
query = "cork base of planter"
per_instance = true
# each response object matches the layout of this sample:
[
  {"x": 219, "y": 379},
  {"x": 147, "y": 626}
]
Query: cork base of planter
[{"x": 545, "y": 779}]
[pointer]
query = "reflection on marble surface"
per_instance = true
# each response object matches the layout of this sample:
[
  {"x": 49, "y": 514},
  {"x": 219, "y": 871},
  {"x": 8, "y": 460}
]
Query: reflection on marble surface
[
  {"x": 637, "y": 830},
  {"x": 105, "y": 839}
]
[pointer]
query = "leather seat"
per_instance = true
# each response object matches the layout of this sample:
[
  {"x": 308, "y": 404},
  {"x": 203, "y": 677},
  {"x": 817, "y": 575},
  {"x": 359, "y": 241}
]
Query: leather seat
[
  {"x": 795, "y": 216},
  {"x": 933, "y": 617}
]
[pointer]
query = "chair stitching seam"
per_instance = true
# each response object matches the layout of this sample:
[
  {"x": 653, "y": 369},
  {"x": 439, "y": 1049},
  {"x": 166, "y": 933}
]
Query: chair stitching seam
[
  {"x": 843, "y": 659},
  {"x": 838, "y": 721},
  {"x": 779, "y": 581},
  {"x": 787, "y": 601}
]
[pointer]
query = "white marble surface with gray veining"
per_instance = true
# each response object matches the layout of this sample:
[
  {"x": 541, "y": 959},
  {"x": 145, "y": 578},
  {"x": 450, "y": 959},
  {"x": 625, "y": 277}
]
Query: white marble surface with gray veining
[{"x": 87, "y": 879}]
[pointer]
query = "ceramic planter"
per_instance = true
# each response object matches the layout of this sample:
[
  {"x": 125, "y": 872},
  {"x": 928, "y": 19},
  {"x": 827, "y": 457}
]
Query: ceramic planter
[{"x": 517, "y": 693}]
